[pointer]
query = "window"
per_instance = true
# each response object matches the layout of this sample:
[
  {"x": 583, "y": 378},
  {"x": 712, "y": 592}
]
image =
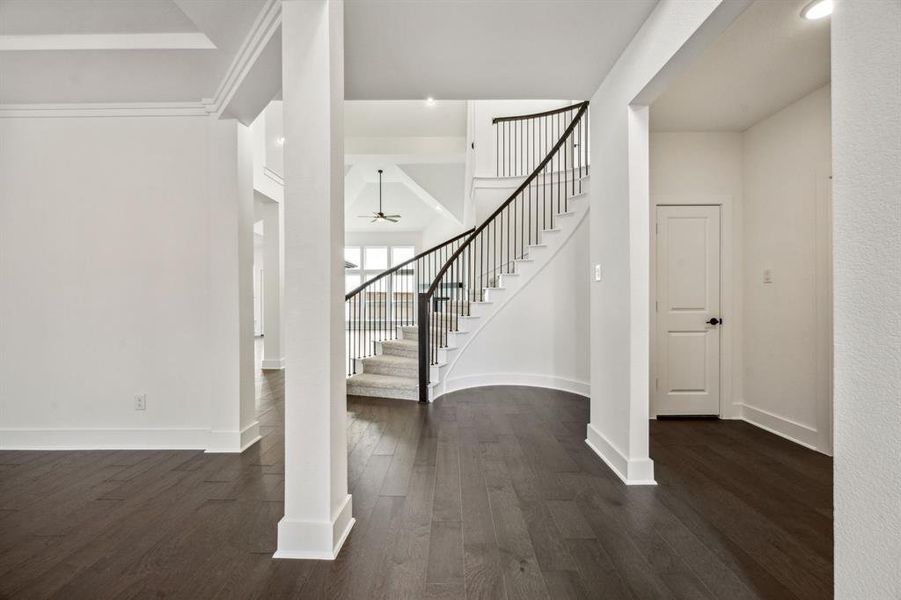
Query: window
[
  {"x": 401, "y": 253},
  {"x": 352, "y": 255},
  {"x": 375, "y": 258},
  {"x": 367, "y": 262}
]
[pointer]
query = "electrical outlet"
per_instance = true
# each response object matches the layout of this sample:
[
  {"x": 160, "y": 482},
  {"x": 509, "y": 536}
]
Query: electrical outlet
[{"x": 140, "y": 401}]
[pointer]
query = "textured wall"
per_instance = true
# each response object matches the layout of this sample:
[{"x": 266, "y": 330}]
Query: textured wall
[{"x": 866, "y": 121}]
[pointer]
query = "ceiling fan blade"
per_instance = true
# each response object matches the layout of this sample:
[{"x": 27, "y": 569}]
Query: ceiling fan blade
[
  {"x": 375, "y": 220},
  {"x": 390, "y": 220},
  {"x": 364, "y": 216},
  {"x": 392, "y": 216}
]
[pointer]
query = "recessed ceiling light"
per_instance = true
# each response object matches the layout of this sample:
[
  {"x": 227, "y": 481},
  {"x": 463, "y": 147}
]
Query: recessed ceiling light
[
  {"x": 430, "y": 101},
  {"x": 817, "y": 10}
]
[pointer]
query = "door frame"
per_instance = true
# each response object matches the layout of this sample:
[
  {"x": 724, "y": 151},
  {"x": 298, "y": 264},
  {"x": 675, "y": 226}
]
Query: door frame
[{"x": 730, "y": 282}]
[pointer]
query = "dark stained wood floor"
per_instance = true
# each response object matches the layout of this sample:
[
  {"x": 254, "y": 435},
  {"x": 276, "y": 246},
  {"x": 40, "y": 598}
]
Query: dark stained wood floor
[{"x": 484, "y": 494}]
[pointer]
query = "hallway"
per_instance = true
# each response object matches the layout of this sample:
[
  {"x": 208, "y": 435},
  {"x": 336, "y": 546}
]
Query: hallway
[{"x": 484, "y": 494}]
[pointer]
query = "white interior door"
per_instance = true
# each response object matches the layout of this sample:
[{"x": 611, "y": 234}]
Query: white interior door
[{"x": 688, "y": 310}]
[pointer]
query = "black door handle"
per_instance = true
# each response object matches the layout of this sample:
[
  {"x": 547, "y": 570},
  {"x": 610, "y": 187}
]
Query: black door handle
[{"x": 715, "y": 321}]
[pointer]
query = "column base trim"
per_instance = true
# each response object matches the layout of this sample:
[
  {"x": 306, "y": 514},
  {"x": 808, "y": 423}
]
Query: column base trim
[
  {"x": 631, "y": 471},
  {"x": 272, "y": 364},
  {"x": 225, "y": 442},
  {"x": 315, "y": 540}
]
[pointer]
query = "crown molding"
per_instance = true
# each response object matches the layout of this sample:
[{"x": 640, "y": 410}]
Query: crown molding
[
  {"x": 122, "y": 109},
  {"x": 273, "y": 176},
  {"x": 264, "y": 27},
  {"x": 107, "y": 41}
]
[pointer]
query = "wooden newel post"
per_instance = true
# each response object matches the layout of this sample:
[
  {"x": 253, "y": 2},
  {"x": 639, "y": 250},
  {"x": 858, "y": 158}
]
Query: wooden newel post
[{"x": 424, "y": 327}]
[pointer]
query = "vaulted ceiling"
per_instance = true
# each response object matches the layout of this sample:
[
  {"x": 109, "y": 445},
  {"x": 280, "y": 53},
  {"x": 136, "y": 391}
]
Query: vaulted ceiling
[{"x": 421, "y": 148}]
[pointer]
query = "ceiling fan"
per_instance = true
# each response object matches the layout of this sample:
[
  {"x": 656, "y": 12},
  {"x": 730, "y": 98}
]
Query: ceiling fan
[{"x": 380, "y": 216}]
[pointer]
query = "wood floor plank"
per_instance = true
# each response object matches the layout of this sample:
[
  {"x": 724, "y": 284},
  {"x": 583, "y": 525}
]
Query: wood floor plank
[
  {"x": 489, "y": 494},
  {"x": 445, "y": 553}
]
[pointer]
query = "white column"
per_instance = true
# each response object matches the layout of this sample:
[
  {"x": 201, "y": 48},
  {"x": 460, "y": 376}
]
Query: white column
[
  {"x": 232, "y": 404},
  {"x": 672, "y": 35},
  {"x": 273, "y": 288},
  {"x": 866, "y": 154},
  {"x": 317, "y": 506}
]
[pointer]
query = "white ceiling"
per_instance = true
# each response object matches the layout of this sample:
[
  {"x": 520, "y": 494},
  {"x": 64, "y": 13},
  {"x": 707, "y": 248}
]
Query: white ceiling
[
  {"x": 397, "y": 199},
  {"x": 404, "y": 118},
  {"x": 450, "y": 49},
  {"x": 443, "y": 182},
  {"x": 158, "y": 53},
  {"x": 421, "y": 149},
  {"x": 768, "y": 58}
]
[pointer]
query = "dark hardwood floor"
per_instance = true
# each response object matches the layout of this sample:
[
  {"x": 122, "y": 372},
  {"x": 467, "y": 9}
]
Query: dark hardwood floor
[{"x": 488, "y": 493}]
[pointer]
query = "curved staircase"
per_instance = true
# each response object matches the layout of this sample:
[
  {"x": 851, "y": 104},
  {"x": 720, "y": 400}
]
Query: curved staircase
[{"x": 460, "y": 284}]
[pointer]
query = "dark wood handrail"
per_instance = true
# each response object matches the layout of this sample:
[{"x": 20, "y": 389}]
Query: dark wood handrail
[
  {"x": 546, "y": 113},
  {"x": 396, "y": 268},
  {"x": 583, "y": 107}
]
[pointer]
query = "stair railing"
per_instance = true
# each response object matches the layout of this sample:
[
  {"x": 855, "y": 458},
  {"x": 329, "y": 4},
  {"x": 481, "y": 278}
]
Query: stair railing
[
  {"x": 375, "y": 309},
  {"x": 549, "y": 149}
]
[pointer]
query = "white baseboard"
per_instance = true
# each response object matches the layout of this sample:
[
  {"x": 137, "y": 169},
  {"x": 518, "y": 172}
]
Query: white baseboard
[
  {"x": 250, "y": 435},
  {"x": 104, "y": 439},
  {"x": 272, "y": 364},
  {"x": 582, "y": 388},
  {"x": 233, "y": 441},
  {"x": 315, "y": 540},
  {"x": 631, "y": 471},
  {"x": 130, "y": 439},
  {"x": 791, "y": 430}
]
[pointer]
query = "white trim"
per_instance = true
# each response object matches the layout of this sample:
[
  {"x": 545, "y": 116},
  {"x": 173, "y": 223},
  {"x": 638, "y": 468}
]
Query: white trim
[
  {"x": 315, "y": 540},
  {"x": 250, "y": 435},
  {"x": 108, "y": 41},
  {"x": 233, "y": 441},
  {"x": 264, "y": 27},
  {"x": 582, "y": 388},
  {"x": 791, "y": 430},
  {"x": 272, "y": 364},
  {"x": 104, "y": 439},
  {"x": 122, "y": 109},
  {"x": 730, "y": 406},
  {"x": 632, "y": 472},
  {"x": 274, "y": 176}
]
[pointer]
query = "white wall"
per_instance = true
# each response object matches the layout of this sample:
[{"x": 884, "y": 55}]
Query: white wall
[
  {"x": 772, "y": 182},
  {"x": 620, "y": 226},
  {"x": 257, "y": 285},
  {"x": 267, "y": 132},
  {"x": 866, "y": 125},
  {"x": 119, "y": 275},
  {"x": 540, "y": 336},
  {"x": 372, "y": 238},
  {"x": 786, "y": 168},
  {"x": 483, "y": 134},
  {"x": 706, "y": 168}
]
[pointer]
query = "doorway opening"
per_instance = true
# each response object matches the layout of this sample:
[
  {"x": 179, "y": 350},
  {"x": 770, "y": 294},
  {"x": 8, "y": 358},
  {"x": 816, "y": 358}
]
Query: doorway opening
[{"x": 741, "y": 249}]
